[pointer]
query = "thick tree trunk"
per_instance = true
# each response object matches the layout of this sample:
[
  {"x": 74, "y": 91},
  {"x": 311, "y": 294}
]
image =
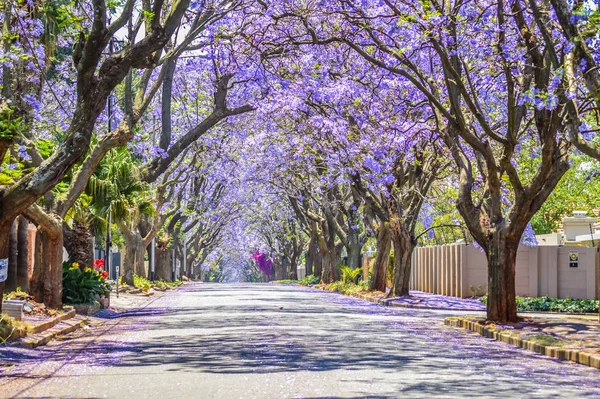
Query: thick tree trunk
[
  {"x": 313, "y": 248},
  {"x": 128, "y": 260},
  {"x": 501, "y": 257},
  {"x": 318, "y": 262},
  {"x": 23, "y": 255},
  {"x": 53, "y": 253},
  {"x": 11, "y": 281},
  {"x": 79, "y": 245},
  {"x": 163, "y": 265},
  {"x": 140, "y": 252},
  {"x": 293, "y": 274},
  {"x": 36, "y": 285},
  {"x": 4, "y": 233},
  {"x": 46, "y": 283},
  {"x": 379, "y": 273},
  {"x": 354, "y": 254},
  {"x": 133, "y": 261},
  {"x": 403, "y": 249}
]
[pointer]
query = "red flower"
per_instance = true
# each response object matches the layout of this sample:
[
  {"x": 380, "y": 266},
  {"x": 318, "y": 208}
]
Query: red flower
[{"x": 99, "y": 263}]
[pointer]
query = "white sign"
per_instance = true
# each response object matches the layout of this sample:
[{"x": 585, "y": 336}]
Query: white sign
[{"x": 3, "y": 269}]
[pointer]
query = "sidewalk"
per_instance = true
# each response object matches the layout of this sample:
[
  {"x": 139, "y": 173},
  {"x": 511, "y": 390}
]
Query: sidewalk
[{"x": 573, "y": 338}]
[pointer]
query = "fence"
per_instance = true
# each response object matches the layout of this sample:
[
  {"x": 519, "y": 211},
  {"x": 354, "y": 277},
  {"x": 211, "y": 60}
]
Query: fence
[{"x": 461, "y": 270}]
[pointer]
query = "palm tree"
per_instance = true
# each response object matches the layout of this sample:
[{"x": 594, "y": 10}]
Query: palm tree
[{"x": 114, "y": 190}]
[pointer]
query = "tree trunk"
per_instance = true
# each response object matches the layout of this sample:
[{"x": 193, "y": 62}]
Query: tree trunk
[
  {"x": 46, "y": 283},
  {"x": 163, "y": 264},
  {"x": 23, "y": 254},
  {"x": 313, "y": 248},
  {"x": 11, "y": 281},
  {"x": 53, "y": 256},
  {"x": 133, "y": 261},
  {"x": 129, "y": 259},
  {"x": 293, "y": 275},
  {"x": 317, "y": 262},
  {"x": 501, "y": 257},
  {"x": 354, "y": 254},
  {"x": 4, "y": 233},
  {"x": 379, "y": 273},
  {"x": 79, "y": 245},
  {"x": 140, "y": 252},
  {"x": 36, "y": 285},
  {"x": 403, "y": 249}
]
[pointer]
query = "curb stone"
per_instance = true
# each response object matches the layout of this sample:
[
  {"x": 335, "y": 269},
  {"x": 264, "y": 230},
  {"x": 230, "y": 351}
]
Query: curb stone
[
  {"x": 574, "y": 355},
  {"x": 41, "y": 327},
  {"x": 62, "y": 328}
]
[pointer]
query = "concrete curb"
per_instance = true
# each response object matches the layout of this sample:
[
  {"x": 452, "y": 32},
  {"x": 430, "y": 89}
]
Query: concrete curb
[
  {"x": 38, "y": 328},
  {"x": 574, "y": 355},
  {"x": 62, "y": 328}
]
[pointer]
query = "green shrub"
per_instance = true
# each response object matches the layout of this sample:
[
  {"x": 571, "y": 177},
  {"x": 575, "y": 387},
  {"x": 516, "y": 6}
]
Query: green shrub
[
  {"x": 311, "y": 279},
  {"x": 547, "y": 304},
  {"x": 347, "y": 288},
  {"x": 350, "y": 275},
  {"x": 141, "y": 282},
  {"x": 82, "y": 286}
]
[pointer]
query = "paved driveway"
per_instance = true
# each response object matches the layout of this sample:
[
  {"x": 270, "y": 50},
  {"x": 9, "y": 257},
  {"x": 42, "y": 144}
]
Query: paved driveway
[{"x": 270, "y": 341}]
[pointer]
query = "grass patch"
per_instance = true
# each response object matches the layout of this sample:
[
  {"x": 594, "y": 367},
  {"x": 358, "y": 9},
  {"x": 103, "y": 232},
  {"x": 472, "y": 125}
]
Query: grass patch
[
  {"x": 10, "y": 327},
  {"x": 547, "y": 304},
  {"x": 144, "y": 284},
  {"x": 311, "y": 279},
  {"x": 286, "y": 281},
  {"x": 546, "y": 340}
]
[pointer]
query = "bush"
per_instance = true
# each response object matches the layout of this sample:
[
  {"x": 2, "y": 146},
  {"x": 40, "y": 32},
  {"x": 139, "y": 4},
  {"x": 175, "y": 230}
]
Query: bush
[
  {"x": 311, "y": 279},
  {"x": 350, "y": 275},
  {"x": 141, "y": 282},
  {"x": 82, "y": 286},
  {"x": 10, "y": 327},
  {"x": 547, "y": 304},
  {"x": 348, "y": 288}
]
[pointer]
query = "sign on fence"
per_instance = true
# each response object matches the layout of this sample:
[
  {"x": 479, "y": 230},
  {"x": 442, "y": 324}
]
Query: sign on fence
[
  {"x": 573, "y": 259},
  {"x": 3, "y": 269}
]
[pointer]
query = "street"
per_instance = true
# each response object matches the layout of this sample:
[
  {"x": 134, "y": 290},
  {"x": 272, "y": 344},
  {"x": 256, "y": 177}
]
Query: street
[{"x": 263, "y": 341}]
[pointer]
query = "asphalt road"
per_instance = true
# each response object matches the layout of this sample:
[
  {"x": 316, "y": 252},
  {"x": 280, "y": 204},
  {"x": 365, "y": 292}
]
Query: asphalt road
[{"x": 268, "y": 341}]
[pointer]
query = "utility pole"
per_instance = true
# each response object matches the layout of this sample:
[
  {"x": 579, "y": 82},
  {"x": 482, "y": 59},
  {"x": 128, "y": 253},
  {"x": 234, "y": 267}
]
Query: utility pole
[{"x": 108, "y": 230}]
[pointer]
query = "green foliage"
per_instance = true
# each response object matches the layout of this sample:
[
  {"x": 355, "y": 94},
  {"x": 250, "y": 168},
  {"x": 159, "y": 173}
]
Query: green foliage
[
  {"x": 309, "y": 280},
  {"x": 9, "y": 326},
  {"x": 547, "y": 304},
  {"x": 286, "y": 281},
  {"x": 577, "y": 190},
  {"x": 82, "y": 286},
  {"x": 348, "y": 288},
  {"x": 350, "y": 275},
  {"x": 10, "y": 125},
  {"x": 141, "y": 282}
]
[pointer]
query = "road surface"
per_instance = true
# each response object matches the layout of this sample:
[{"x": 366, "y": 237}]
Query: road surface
[{"x": 228, "y": 341}]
